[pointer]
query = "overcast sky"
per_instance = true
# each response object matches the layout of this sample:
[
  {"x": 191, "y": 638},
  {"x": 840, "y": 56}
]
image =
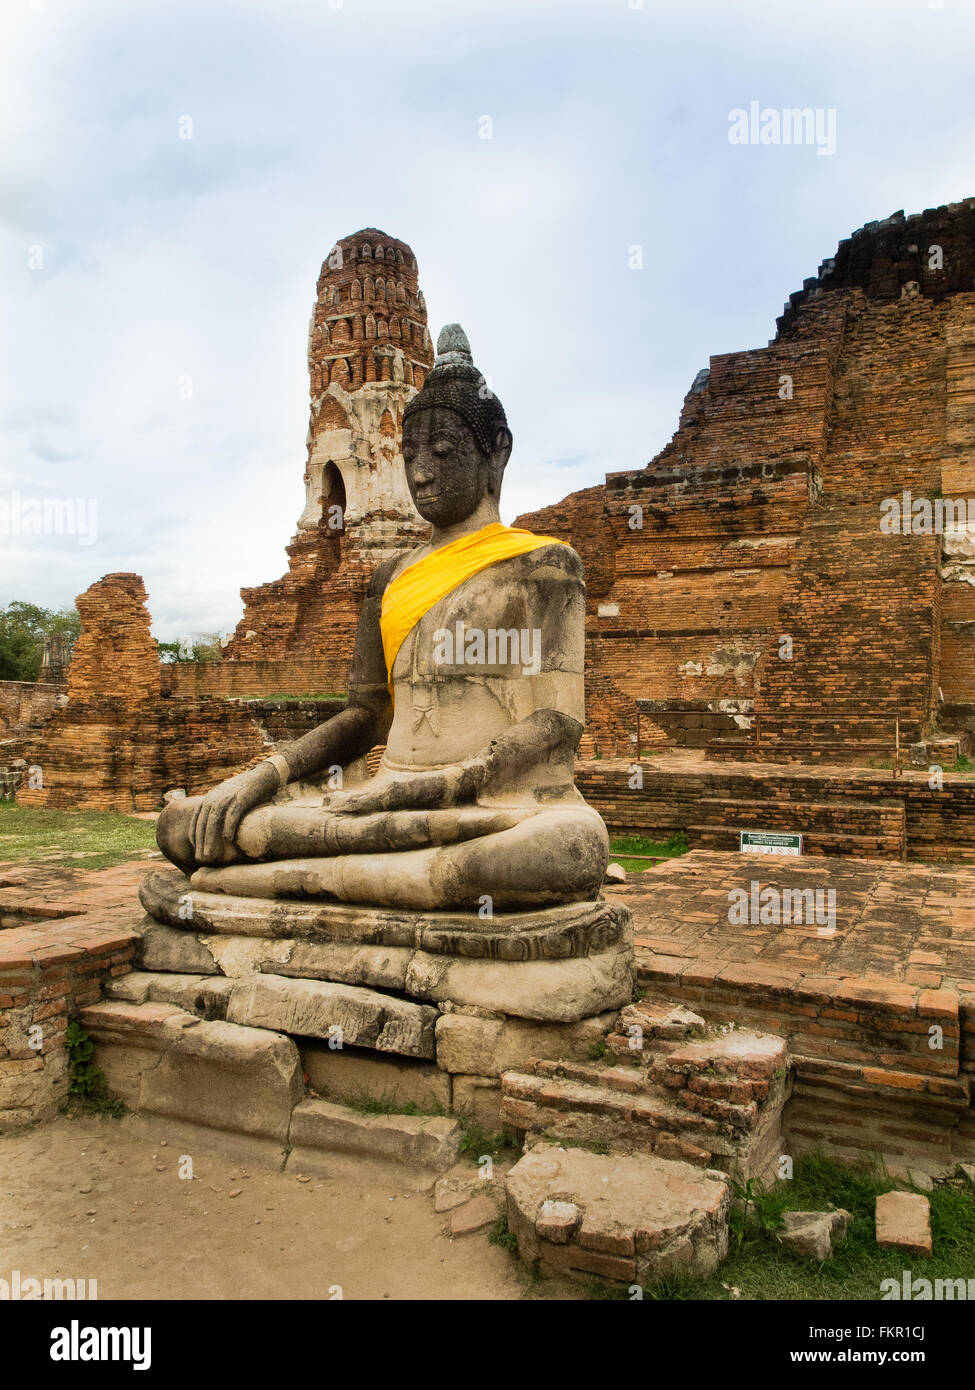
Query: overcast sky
[{"x": 157, "y": 289}]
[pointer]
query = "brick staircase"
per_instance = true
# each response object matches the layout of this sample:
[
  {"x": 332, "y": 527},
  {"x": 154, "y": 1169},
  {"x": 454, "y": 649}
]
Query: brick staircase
[{"x": 678, "y": 1090}]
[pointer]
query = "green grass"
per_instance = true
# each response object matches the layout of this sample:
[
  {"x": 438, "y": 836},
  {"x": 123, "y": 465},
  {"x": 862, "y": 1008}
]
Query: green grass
[
  {"x": 105, "y": 838},
  {"x": 761, "y": 1269},
  {"x": 475, "y": 1142},
  {"x": 639, "y": 844},
  {"x": 291, "y": 699},
  {"x": 501, "y": 1235},
  {"x": 387, "y": 1104}
]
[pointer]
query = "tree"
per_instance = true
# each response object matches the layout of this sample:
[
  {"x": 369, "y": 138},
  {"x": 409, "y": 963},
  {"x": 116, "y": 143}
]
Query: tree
[
  {"x": 23, "y": 627},
  {"x": 205, "y": 647}
]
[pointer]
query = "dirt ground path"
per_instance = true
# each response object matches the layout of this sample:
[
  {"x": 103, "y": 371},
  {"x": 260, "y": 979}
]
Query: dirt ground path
[{"x": 96, "y": 1198}]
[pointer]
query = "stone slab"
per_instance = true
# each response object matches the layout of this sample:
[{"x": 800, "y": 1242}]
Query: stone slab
[
  {"x": 426, "y": 1141},
  {"x": 551, "y": 933},
  {"x": 488, "y": 1046},
  {"x": 904, "y": 1222},
  {"x": 161, "y": 1059},
  {"x": 316, "y": 1008},
  {"x": 562, "y": 991}
]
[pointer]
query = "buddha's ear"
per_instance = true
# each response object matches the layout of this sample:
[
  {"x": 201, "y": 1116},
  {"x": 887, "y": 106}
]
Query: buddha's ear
[{"x": 499, "y": 457}]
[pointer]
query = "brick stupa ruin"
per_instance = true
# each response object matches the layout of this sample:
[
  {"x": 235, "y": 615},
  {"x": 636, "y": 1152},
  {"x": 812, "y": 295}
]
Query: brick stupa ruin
[
  {"x": 761, "y": 519},
  {"x": 369, "y": 350},
  {"x": 117, "y": 744}
]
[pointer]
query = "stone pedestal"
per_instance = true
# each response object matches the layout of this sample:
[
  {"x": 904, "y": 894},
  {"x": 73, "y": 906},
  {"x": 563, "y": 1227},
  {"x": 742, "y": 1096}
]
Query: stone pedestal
[{"x": 419, "y": 1010}]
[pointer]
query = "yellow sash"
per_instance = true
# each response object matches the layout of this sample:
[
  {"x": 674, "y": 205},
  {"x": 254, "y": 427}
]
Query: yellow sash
[{"x": 426, "y": 581}]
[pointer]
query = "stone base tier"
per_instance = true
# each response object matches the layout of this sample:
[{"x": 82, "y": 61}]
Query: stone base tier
[{"x": 558, "y": 964}]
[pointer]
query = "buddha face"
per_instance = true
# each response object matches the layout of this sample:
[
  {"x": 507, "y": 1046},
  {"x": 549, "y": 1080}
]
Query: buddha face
[{"x": 446, "y": 472}]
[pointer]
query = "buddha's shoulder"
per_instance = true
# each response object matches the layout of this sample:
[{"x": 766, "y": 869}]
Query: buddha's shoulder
[{"x": 555, "y": 561}]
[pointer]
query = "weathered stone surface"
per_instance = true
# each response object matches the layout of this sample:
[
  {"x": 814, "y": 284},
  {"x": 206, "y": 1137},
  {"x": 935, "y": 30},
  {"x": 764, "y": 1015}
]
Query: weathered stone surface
[
  {"x": 558, "y": 1222},
  {"x": 550, "y": 933},
  {"x": 552, "y": 991},
  {"x": 204, "y": 995},
  {"x": 316, "y": 1008},
  {"x": 474, "y": 1215},
  {"x": 813, "y": 1234},
  {"x": 427, "y": 1141},
  {"x": 165, "y": 948},
  {"x": 478, "y": 1098},
  {"x": 159, "y": 1058},
  {"x": 641, "y": 1217},
  {"x": 904, "y": 1221},
  {"x": 348, "y": 1073},
  {"x": 489, "y": 1046},
  {"x": 454, "y": 1190}
]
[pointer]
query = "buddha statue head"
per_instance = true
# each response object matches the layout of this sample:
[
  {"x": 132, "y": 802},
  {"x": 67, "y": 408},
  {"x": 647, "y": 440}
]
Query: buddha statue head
[{"x": 456, "y": 440}]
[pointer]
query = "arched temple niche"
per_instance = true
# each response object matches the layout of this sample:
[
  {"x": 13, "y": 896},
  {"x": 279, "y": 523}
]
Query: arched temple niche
[{"x": 333, "y": 499}]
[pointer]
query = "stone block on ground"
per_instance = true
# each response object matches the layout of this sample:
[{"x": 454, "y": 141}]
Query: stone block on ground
[
  {"x": 904, "y": 1222},
  {"x": 160, "y": 1059},
  {"x": 475, "y": 1214},
  {"x": 813, "y": 1234},
  {"x": 640, "y": 1218},
  {"x": 455, "y": 1190},
  {"x": 426, "y": 1141}
]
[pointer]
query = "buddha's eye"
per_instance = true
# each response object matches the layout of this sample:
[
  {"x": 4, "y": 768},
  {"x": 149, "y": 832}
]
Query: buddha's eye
[{"x": 443, "y": 447}]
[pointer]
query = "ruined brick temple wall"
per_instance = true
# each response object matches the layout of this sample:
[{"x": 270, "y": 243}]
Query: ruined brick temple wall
[
  {"x": 368, "y": 352},
  {"x": 761, "y": 519},
  {"x": 118, "y": 744},
  {"x": 851, "y": 812},
  {"x": 23, "y": 703},
  {"x": 250, "y": 680}
]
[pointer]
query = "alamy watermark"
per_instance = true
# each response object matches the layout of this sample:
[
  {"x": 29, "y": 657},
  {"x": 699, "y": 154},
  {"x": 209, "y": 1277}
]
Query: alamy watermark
[
  {"x": 793, "y": 125},
  {"x": 927, "y": 1290},
  {"x": 24, "y": 1288},
  {"x": 774, "y": 907},
  {"x": 908, "y": 515},
  {"x": 494, "y": 646},
  {"x": 49, "y": 516}
]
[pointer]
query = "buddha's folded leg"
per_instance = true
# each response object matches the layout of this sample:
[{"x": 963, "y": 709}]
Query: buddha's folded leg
[
  {"x": 283, "y": 830},
  {"x": 294, "y": 832},
  {"x": 556, "y": 855}
]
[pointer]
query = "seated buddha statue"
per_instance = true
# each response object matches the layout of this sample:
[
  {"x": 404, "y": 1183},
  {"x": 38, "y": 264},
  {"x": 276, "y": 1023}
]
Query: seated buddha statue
[{"x": 468, "y": 668}]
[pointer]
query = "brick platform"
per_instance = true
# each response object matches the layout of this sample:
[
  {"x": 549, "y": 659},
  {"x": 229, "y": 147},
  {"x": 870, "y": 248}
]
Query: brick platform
[
  {"x": 879, "y": 1015},
  {"x": 74, "y": 934}
]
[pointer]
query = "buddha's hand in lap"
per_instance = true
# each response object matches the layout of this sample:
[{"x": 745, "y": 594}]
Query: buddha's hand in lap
[
  {"x": 218, "y": 817},
  {"x": 447, "y": 786}
]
